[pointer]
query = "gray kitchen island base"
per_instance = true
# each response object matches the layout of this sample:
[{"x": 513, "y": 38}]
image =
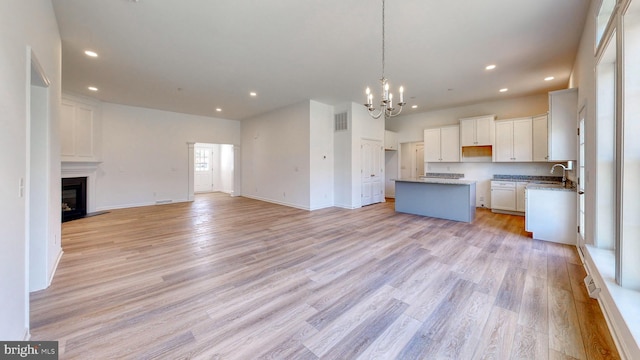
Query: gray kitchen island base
[{"x": 449, "y": 200}]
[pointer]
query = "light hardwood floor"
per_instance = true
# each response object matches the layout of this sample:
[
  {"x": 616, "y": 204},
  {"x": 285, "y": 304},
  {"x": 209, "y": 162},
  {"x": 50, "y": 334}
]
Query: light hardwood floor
[{"x": 234, "y": 278}]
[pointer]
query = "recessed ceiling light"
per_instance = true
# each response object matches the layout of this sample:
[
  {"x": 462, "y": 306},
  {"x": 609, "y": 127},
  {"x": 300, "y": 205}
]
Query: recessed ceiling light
[
  {"x": 253, "y": 94},
  {"x": 504, "y": 90},
  {"x": 92, "y": 88},
  {"x": 218, "y": 109},
  {"x": 91, "y": 53},
  {"x": 414, "y": 106},
  {"x": 549, "y": 78},
  {"x": 490, "y": 67}
]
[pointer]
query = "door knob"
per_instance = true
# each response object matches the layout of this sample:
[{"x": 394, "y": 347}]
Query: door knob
[{"x": 580, "y": 192}]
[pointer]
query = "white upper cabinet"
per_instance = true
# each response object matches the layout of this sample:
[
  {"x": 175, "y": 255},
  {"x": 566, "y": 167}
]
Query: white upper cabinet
[
  {"x": 477, "y": 131},
  {"x": 513, "y": 140},
  {"x": 540, "y": 138},
  {"x": 390, "y": 140},
  {"x": 562, "y": 125},
  {"x": 442, "y": 144}
]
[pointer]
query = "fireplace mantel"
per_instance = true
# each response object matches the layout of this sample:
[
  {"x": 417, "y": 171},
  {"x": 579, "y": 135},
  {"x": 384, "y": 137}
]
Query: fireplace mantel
[
  {"x": 88, "y": 169},
  {"x": 78, "y": 167}
]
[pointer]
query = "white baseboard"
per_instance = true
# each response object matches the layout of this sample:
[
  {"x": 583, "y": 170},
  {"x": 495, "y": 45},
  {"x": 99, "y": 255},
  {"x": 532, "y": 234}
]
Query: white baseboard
[
  {"x": 278, "y": 202},
  {"x": 55, "y": 267}
]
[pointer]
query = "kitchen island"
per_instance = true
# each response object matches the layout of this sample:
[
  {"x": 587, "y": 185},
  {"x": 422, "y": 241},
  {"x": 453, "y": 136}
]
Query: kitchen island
[{"x": 451, "y": 199}]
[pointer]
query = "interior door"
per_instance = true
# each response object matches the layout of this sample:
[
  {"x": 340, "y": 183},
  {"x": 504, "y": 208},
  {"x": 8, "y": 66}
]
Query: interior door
[
  {"x": 372, "y": 172},
  {"x": 203, "y": 178}
]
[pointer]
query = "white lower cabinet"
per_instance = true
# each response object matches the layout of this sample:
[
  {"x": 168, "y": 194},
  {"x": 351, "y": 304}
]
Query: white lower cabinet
[
  {"x": 508, "y": 196},
  {"x": 551, "y": 215},
  {"x": 503, "y": 195}
]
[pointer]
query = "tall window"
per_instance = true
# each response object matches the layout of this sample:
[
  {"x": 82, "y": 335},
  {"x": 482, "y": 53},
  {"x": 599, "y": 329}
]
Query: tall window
[
  {"x": 618, "y": 146},
  {"x": 628, "y": 268}
]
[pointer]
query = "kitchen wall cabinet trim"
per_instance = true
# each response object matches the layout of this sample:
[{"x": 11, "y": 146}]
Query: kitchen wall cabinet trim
[
  {"x": 390, "y": 140},
  {"x": 477, "y": 131},
  {"x": 563, "y": 124},
  {"x": 540, "y": 138},
  {"x": 442, "y": 144},
  {"x": 513, "y": 140}
]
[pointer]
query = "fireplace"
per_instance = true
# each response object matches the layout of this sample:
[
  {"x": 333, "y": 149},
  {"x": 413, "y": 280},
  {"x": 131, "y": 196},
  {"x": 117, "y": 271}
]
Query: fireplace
[{"x": 74, "y": 198}]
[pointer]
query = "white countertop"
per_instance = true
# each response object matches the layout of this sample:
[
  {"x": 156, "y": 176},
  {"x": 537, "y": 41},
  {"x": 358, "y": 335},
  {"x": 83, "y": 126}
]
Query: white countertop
[{"x": 427, "y": 180}]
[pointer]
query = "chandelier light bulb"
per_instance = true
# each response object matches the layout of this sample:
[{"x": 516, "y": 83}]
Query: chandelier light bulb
[{"x": 386, "y": 107}]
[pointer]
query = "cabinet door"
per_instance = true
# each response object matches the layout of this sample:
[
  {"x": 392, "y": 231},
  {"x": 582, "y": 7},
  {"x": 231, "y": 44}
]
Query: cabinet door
[
  {"x": 522, "y": 140},
  {"x": 521, "y": 187},
  {"x": 504, "y": 141},
  {"x": 390, "y": 140},
  {"x": 467, "y": 132},
  {"x": 563, "y": 120},
  {"x": 450, "y": 144},
  {"x": 540, "y": 138},
  {"x": 432, "y": 145},
  {"x": 503, "y": 199},
  {"x": 483, "y": 131}
]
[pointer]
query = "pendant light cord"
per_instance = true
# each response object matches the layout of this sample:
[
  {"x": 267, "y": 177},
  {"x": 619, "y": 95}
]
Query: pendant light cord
[{"x": 382, "y": 39}]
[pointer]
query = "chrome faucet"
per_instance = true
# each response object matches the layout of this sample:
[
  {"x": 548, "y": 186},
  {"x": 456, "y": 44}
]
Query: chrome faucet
[{"x": 564, "y": 175}]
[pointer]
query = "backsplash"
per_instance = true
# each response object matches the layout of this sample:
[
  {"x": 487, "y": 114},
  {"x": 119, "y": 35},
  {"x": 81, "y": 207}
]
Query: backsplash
[
  {"x": 527, "y": 177},
  {"x": 444, "y": 175}
]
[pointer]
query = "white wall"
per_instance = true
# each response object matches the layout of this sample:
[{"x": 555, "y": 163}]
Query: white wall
[
  {"x": 410, "y": 129},
  {"x": 24, "y": 25},
  {"x": 276, "y": 154},
  {"x": 321, "y": 155},
  {"x": 583, "y": 77},
  {"x": 364, "y": 127},
  {"x": 410, "y": 126},
  {"x": 342, "y": 163},
  {"x": 145, "y": 153}
]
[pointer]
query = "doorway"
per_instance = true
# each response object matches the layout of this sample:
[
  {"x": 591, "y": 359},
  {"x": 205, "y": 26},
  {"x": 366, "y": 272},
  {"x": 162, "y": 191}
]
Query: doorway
[
  {"x": 411, "y": 160},
  {"x": 213, "y": 168}
]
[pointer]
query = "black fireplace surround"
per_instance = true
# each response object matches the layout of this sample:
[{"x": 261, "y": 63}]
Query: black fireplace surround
[{"x": 74, "y": 198}]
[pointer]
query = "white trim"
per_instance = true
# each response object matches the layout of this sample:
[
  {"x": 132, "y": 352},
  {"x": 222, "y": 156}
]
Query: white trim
[
  {"x": 134, "y": 205},
  {"x": 88, "y": 169},
  {"x": 55, "y": 267},
  {"x": 277, "y": 202},
  {"x": 619, "y": 305}
]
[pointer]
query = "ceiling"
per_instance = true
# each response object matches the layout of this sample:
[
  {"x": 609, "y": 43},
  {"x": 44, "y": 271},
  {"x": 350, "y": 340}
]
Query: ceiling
[{"x": 194, "y": 56}]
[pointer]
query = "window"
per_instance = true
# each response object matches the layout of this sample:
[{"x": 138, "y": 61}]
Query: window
[
  {"x": 604, "y": 15},
  {"x": 202, "y": 159},
  {"x": 628, "y": 266}
]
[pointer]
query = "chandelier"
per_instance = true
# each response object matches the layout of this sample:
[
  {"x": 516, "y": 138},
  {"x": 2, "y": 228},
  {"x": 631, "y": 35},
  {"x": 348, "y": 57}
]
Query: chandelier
[{"x": 386, "y": 104}]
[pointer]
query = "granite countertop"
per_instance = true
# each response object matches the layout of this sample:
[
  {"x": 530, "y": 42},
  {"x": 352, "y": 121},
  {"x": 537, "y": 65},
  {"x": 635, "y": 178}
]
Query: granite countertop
[
  {"x": 430, "y": 180},
  {"x": 539, "y": 182}
]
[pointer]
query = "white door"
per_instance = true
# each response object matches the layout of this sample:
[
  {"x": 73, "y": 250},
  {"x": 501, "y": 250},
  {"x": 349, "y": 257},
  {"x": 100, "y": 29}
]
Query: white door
[
  {"x": 419, "y": 160},
  {"x": 372, "y": 171},
  {"x": 203, "y": 179},
  {"x": 581, "y": 177}
]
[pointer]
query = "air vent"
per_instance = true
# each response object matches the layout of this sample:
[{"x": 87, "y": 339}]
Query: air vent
[{"x": 341, "y": 122}]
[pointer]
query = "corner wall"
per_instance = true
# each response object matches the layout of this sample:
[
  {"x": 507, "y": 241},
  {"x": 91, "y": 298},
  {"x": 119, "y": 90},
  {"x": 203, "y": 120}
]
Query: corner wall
[
  {"x": 276, "y": 156},
  {"x": 25, "y": 26},
  {"x": 145, "y": 153}
]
